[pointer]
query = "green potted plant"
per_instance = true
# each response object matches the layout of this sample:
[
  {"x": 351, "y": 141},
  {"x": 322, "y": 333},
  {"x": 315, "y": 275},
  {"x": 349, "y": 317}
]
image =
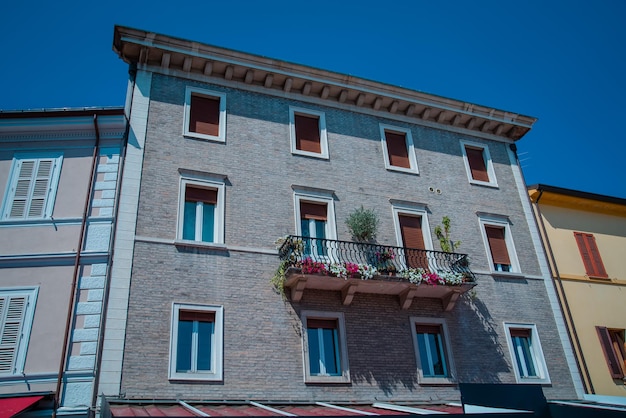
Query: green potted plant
[{"x": 363, "y": 224}]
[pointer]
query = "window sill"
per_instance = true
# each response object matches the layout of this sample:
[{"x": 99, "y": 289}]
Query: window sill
[
  {"x": 437, "y": 381},
  {"x": 508, "y": 274},
  {"x": 534, "y": 381},
  {"x": 484, "y": 183},
  {"x": 327, "y": 380},
  {"x": 183, "y": 378},
  {"x": 321, "y": 156},
  {"x": 402, "y": 170},
  {"x": 202, "y": 137},
  {"x": 200, "y": 244}
]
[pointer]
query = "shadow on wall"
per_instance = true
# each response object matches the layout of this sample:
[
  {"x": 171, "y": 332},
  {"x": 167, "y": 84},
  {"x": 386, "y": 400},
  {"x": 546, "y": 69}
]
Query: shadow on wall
[
  {"x": 484, "y": 358},
  {"x": 381, "y": 350}
]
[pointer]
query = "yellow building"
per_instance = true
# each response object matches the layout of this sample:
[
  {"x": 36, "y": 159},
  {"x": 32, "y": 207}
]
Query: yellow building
[{"x": 584, "y": 235}]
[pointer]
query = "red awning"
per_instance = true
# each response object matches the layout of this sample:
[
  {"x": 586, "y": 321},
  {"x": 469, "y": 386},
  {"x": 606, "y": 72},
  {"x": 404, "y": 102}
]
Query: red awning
[{"x": 13, "y": 406}]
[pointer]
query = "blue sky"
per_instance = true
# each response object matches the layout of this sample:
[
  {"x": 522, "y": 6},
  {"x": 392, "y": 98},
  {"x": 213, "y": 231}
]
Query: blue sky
[{"x": 563, "y": 62}]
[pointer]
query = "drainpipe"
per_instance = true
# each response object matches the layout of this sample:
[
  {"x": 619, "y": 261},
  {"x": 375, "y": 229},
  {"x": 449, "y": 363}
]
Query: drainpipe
[
  {"x": 73, "y": 291},
  {"x": 105, "y": 300},
  {"x": 563, "y": 303}
]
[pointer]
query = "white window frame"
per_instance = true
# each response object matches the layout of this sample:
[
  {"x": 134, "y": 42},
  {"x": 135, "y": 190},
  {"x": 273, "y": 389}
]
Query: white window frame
[
  {"x": 537, "y": 352},
  {"x": 189, "y": 91},
  {"x": 451, "y": 378},
  {"x": 9, "y": 193},
  {"x": 322, "y": 126},
  {"x": 488, "y": 163},
  {"x": 217, "y": 349},
  {"x": 508, "y": 238},
  {"x": 343, "y": 348},
  {"x": 410, "y": 148},
  {"x": 30, "y": 293},
  {"x": 413, "y": 210},
  {"x": 207, "y": 182},
  {"x": 322, "y": 198}
]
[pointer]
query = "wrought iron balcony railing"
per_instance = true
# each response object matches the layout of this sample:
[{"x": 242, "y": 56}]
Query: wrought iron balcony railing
[{"x": 388, "y": 260}]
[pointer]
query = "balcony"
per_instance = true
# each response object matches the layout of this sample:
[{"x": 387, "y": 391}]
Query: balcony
[{"x": 351, "y": 267}]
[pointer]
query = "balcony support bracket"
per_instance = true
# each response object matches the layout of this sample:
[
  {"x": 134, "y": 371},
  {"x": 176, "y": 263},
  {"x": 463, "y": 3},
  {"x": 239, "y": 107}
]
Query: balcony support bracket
[
  {"x": 406, "y": 297},
  {"x": 347, "y": 293},
  {"x": 297, "y": 289},
  {"x": 450, "y": 300}
]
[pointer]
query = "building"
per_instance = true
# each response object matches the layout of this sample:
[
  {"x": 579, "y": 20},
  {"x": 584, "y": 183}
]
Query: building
[
  {"x": 58, "y": 178},
  {"x": 585, "y": 238},
  {"x": 229, "y": 152}
]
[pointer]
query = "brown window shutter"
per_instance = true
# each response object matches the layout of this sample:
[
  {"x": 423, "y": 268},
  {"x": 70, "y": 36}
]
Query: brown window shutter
[
  {"x": 196, "y": 194},
  {"x": 520, "y": 332},
  {"x": 427, "y": 329},
  {"x": 413, "y": 238},
  {"x": 615, "y": 368},
  {"x": 590, "y": 255},
  {"x": 497, "y": 245},
  {"x": 205, "y": 115},
  {"x": 411, "y": 231},
  {"x": 309, "y": 210},
  {"x": 202, "y": 316},
  {"x": 308, "y": 133},
  {"x": 321, "y": 323},
  {"x": 476, "y": 160},
  {"x": 397, "y": 149}
]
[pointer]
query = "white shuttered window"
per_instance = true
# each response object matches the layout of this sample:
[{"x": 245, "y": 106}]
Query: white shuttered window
[
  {"x": 32, "y": 187},
  {"x": 16, "y": 312}
]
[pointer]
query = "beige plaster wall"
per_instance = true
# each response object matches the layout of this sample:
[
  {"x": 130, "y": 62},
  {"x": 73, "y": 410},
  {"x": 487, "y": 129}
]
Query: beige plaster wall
[
  {"x": 609, "y": 231},
  {"x": 597, "y": 304}
]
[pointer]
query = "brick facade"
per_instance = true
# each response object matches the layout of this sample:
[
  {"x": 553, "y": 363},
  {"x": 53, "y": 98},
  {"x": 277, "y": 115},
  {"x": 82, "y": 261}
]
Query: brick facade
[{"x": 262, "y": 342}]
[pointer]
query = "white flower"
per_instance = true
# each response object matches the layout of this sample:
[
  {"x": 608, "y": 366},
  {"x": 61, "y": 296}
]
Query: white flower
[
  {"x": 366, "y": 271},
  {"x": 415, "y": 275}
]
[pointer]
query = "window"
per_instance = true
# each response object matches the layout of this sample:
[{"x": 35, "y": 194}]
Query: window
[
  {"x": 590, "y": 255},
  {"x": 398, "y": 149},
  {"x": 205, "y": 114},
  {"x": 32, "y": 186},
  {"x": 196, "y": 342},
  {"x": 17, "y": 307},
  {"x": 478, "y": 164},
  {"x": 307, "y": 130},
  {"x": 526, "y": 353},
  {"x": 324, "y": 346},
  {"x": 612, "y": 342},
  {"x": 315, "y": 222},
  {"x": 434, "y": 359},
  {"x": 499, "y": 245},
  {"x": 201, "y": 211},
  {"x": 410, "y": 224}
]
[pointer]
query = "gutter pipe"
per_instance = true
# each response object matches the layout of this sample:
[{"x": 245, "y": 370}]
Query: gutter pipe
[
  {"x": 563, "y": 303},
  {"x": 79, "y": 249}
]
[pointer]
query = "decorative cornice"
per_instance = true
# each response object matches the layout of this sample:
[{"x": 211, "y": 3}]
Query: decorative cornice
[
  {"x": 37, "y": 126},
  {"x": 165, "y": 54}
]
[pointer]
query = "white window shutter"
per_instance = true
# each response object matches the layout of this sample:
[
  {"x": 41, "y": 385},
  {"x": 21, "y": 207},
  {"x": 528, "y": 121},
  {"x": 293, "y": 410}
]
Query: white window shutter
[
  {"x": 31, "y": 188},
  {"x": 12, "y": 311}
]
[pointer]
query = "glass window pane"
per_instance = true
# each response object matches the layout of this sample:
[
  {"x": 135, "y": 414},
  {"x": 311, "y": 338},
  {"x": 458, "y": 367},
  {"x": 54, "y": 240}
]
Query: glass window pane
[
  {"x": 320, "y": 233},
  {"x": 189, "y": 221},
  {"x": 331, "y": 358},
  {"x": 436, "y": 350},
  {"x": 314, "y": 351},
  {"x": 205, "y": 336},
  {"x": 183, "y": 348},
  {"x": 208, "y": 219},
  {"x": 528, "y": 357},
  {"x": 424, "y": 357}
]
